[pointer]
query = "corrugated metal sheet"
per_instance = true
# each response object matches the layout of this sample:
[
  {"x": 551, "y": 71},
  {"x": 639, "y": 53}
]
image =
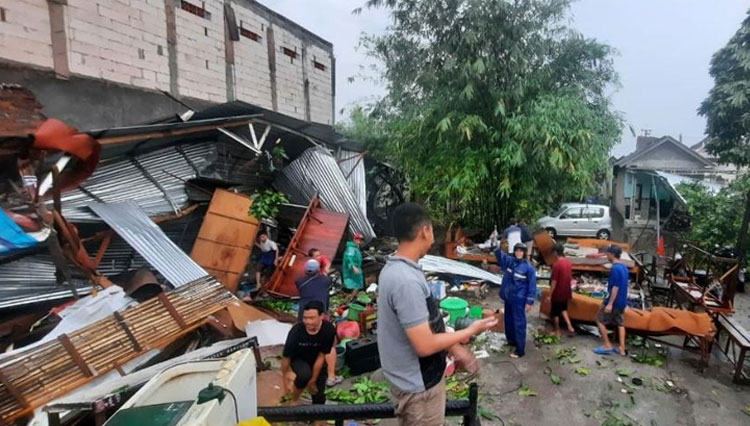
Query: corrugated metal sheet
[
  {"x": 438, "y": 264},
  {"x": 135, "y": 227},
  {"x": 352, "y": 165},
  {"x": 32, "y": 280},
  {"x": 121, "y": 178},
  {"x": 316, "y": 172}
]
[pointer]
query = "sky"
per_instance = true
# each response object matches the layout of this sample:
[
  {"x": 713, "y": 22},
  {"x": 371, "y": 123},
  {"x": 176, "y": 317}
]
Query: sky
[{"x": 664, "y": 50}]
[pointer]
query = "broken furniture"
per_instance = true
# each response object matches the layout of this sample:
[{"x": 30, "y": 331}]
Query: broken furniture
[
  {"x": 319, "y": 228},
  {"x": 581, "y": 258},
  {"x": 30, "y": 378},
  {"x": 695, "y": 327},
  {"x": 226, "y": 238},
  {"x": 703, "y": 281},
  {"x": 454, "y": 238},
  {"x": 734, "y": 342}
]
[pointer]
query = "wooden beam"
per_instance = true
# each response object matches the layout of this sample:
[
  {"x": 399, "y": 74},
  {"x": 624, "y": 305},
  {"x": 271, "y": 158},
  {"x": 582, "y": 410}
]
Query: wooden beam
[
  {"x": 112, "y": 140},
  {"x": 73, "y": 352}
]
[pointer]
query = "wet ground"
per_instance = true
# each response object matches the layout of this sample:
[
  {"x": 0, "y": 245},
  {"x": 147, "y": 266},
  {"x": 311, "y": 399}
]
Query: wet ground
[{"x": 596, "y": 390}]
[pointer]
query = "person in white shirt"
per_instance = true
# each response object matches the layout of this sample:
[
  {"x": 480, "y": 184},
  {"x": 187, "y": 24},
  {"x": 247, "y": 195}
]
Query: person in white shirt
[{"x": 268, "y": 258}]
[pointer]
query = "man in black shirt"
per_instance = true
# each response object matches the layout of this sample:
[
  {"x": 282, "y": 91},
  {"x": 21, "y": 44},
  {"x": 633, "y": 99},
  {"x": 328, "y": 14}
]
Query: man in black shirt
[{"x": 304, "y": 352}]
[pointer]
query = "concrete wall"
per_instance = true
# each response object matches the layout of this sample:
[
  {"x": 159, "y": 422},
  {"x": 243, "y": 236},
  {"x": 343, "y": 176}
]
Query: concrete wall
[{"x": 157, "y": 45}]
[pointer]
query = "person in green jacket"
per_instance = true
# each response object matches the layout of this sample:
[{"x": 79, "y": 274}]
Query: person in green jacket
[{"x": 353, "y": 276}]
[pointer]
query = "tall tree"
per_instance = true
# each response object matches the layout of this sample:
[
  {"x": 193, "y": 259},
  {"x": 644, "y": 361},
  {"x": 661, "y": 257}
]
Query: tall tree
[
  {"x": 727, "y": 112},
  {"x": 494, "y": 107}
]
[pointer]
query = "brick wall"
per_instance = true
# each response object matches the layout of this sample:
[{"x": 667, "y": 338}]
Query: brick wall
[
  {"x": 125, "y": 41},
  {"x": 200, "y": 52},
  {"x": 321, "y": 96},
  {"x": 25, "y": 34},
  {"x": 253, "y": 81},
  {"x": 289, "y": 82},
  {"x": 119, "y": 40}
]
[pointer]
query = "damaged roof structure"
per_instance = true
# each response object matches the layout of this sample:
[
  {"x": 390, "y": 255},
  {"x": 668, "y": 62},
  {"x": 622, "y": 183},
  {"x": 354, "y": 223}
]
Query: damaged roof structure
[
  {"x": 132, "y": 211},
  {"x": 170, "y": 170}
]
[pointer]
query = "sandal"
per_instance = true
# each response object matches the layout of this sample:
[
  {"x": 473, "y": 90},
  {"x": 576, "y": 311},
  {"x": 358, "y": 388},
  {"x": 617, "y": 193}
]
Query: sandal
[
  {"x": 333, "y": 381},
  {"x": 602, "y": 351}
]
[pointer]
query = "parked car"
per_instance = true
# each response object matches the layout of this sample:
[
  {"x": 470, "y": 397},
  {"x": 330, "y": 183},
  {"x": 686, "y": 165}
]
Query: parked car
[{"x": 579, "y": 220}]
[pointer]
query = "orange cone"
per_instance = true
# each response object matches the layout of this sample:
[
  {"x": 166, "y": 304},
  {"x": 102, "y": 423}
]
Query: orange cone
[{"x": 660, "y": 250}]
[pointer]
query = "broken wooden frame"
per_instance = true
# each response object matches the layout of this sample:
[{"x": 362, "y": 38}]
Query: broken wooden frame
[{"x": 36, "y": 376}]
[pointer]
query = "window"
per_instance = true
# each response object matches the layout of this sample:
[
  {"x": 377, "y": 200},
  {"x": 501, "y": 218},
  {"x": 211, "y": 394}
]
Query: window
[
  {"x": 318, "y": 65},
  {"x": 572, "y": 213},
  {"x": 594, "y": 212},
  {"x": 2, "y": 15},
  {"x": 289, "y": 52},
  {"x": 249, "y": 34},
  {"x": 196, "y": 10}
]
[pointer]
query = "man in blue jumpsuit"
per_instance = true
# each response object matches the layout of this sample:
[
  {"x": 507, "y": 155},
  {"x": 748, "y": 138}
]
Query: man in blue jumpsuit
[{"x": 518, "y": 291}]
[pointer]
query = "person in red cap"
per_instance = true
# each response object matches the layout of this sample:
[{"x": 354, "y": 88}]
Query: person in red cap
[{"x": 352, "y": 269}]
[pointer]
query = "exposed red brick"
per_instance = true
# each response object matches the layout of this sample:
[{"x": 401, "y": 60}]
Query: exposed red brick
[{"x": 20, "y": 113}]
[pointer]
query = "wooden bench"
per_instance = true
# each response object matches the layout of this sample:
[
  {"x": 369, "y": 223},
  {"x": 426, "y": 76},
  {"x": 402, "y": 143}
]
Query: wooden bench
[{"x": 735, "y": 347}]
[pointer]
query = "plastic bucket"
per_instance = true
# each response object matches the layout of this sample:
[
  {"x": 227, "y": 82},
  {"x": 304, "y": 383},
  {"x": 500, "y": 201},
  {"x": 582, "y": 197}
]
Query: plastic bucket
[
  {"x": 476, "y": 312},
  {"x": 455, "y": 307},
  {"x": 354, "y": 310}
]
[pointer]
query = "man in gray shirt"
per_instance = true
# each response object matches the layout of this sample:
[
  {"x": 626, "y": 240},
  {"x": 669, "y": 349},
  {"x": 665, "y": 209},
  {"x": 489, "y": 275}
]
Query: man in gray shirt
[{"x": 411, "y": 334}]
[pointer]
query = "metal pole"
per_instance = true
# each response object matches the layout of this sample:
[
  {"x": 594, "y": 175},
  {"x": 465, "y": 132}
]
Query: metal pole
[{"x": 658, "y": 216}]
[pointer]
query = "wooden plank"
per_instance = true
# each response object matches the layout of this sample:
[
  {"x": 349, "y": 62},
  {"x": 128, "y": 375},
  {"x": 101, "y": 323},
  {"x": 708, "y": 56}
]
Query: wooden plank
[
  {"x": 225, "y": 240},
  {"x": 124, "y": 325},
  {"x": 324, "y": 234},
  {"x": 13, "y": 391},
  {"x": 172, "y": 311},
  {"x": 214, "y": 255},
  {"x": 73, "y": 352},
  {"x": 224, "y": 230},
  {"x": 231, "y": 204}
]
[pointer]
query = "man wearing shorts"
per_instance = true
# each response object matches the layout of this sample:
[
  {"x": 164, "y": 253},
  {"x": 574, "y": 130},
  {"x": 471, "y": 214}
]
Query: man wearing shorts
[
  {"x": 612, "y": 312},
  {"x": 561, "y": 293},
  {"x": 304, "y": 354}
]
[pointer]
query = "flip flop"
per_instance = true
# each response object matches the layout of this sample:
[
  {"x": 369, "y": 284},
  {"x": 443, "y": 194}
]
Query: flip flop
[{"x": 601, "y": 351}]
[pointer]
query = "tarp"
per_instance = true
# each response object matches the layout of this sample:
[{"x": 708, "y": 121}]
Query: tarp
[
  {"x": 12, "y": 237},
  {"x": 438, "y": 264}
]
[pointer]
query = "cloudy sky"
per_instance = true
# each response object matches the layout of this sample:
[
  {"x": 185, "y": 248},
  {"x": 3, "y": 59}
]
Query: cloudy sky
[{"x": 665, "y": 47}]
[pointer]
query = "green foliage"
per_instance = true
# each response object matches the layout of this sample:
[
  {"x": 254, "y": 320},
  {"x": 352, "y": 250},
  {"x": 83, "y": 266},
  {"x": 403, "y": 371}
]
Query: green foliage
[
  {"x": 525, "y": 391},
  {"x": 364, "y": 391},
  {"x": 727, "y": 107},
  {"x": 624, "y": 372},
  {"x": 456, "y": 389},
  {"x": 494, "y": 108},
  {"x": 266, "y": 204},
  {"x": 715, "y": 219},
  {"x": 542, "y": 338},
  {"x": 582, "y": 371},
  {"x": 555, "y": 379}
]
